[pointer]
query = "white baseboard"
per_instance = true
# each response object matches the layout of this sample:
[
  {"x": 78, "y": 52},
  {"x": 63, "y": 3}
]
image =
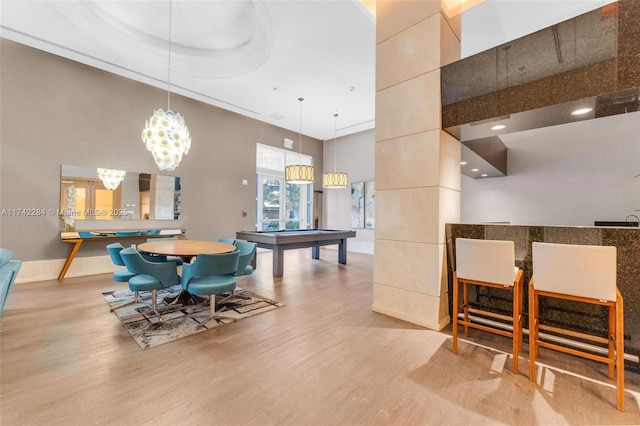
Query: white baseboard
[{"x": 44, "y": 270}]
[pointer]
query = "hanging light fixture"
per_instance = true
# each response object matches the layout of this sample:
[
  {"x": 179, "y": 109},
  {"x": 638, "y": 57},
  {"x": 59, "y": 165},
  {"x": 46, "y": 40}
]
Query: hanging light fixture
[
  {"x": 165, "y": 133},
  {"x": 335, "y": 180},
  {"x": 111, "y": 178},
  {"x": 300, "y": 174}
]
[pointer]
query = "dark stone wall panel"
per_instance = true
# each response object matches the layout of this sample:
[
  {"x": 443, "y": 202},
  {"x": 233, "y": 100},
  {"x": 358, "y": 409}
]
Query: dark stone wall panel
[{"x": 596, "y": 54}]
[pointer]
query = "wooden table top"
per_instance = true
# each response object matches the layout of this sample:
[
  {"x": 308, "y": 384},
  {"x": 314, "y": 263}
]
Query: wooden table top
[{"x": 185, "y": 248}]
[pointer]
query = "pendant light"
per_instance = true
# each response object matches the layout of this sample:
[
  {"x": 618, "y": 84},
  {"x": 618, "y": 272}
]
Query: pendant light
[
  {"x": 335, "y": 179},
  {"x": 111, "y": 178},
  {"x": 299, "y": 174},
  {"x": 165, "y": 134}
]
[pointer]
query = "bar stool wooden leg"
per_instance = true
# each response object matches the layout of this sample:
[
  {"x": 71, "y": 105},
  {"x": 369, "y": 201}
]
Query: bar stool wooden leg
[
  {"x": 515, "y": 324},
  {"x": 465, "y": 306},
  {"x": 619, "y": 350},
  {"x": 612, "y": 340},
  {"x": 455, "y": 310},
  {"x": 533, "y": 326}
]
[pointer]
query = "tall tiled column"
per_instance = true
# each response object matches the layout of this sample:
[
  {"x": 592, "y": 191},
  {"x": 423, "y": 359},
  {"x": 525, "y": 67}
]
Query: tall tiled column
[{"x": 417, "y": 163}]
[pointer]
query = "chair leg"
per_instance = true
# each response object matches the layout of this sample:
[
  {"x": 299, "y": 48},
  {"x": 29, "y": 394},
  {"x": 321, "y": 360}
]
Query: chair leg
[
  {"x": 455, "y": 310},
  {"x": 236, "y": 293},
  {"x": 516, "y": 326},
  {"x": 130, "y": 302},
  {"x": 154, "y": 304},
  {"x": 619, "y": 351},
  {"x": 465, "y": 306},
  {"x": 212, "y": 313},
  {"x": 612, "y": 341},
  {"x": 533, "y": 335}
]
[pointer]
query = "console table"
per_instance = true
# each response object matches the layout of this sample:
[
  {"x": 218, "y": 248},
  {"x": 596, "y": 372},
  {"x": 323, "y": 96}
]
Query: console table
[{"x": 77, "y": 238}]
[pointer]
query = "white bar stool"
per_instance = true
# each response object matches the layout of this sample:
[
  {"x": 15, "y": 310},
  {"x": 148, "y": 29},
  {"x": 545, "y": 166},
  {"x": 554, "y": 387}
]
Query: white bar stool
[
  {"x": 584, "y": 274},
  {"x": 488, "y": 263}
]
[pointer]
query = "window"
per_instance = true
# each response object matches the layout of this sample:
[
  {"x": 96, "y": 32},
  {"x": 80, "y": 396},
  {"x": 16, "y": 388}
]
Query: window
[{"x": 280, "y": 205}]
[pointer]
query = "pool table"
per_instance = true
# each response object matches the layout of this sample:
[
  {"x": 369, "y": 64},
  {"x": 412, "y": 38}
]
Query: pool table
[{"x": 279, "y": 241}]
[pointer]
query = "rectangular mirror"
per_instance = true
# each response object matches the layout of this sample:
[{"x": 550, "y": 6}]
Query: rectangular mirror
[{"x": 105, "y": 194}]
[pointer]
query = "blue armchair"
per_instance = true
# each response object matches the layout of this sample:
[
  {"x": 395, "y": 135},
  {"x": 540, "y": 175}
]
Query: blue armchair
[
  {"x": 227, "y": 240},
  {"x": 247, "y": 253},
  {"x": 209, "y": 275},
  {"x": 121, "y": 275},
  {"x": 8, "y": 272},
  {"x": 150, "y": 276}
]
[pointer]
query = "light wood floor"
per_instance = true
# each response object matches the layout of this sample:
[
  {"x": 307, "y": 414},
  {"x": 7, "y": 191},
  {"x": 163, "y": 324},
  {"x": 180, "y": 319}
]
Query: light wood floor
[{"x": 323, "y": 359}]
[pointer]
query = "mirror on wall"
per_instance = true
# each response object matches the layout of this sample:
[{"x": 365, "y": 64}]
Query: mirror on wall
[{"x": 106, "y": 194}]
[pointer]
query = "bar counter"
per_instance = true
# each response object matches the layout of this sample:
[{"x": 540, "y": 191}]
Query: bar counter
[{"x": 566, "y": 314}]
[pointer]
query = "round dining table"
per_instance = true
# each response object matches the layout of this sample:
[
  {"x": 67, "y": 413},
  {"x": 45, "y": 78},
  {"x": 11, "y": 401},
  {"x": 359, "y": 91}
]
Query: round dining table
[{"x": 187, "y": 250}]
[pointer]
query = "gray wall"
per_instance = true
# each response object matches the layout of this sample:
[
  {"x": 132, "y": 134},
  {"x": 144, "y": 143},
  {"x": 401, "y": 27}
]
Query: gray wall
[
  {"x": 355, "y": 155},
  {"x": 55, "y": 111}
]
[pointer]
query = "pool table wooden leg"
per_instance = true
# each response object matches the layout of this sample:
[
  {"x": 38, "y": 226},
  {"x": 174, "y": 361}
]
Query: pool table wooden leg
[{"x": 315, "y": 252}]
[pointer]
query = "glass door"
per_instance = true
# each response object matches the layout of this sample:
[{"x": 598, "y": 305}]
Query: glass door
[
  {"x": 269, "y": 202},
  {"x": 281, "y": 205}
]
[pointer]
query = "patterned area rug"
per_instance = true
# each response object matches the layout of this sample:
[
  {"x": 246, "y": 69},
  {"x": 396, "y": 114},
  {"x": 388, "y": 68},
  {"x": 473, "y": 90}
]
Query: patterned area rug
[{"x": 180, "y": 321}]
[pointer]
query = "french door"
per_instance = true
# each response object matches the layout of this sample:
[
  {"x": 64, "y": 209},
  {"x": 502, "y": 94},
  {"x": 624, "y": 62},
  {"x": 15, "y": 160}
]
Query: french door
[{"x": 281, "y": 205}]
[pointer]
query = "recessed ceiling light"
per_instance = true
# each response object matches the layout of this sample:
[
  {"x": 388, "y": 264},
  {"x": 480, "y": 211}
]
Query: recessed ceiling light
[
  {"x": 581, "y": 111},
  {"x": 484, "y": 175},
  {"x": 463, "y": 163},
  {"x": 475, "y": 170},
  {"x": 498, "y": 127},
  {"x": 351, "y": 88}
]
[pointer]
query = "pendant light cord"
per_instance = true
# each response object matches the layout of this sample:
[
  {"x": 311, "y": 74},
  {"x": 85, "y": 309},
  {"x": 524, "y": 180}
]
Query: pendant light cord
[
  {"x": 169, "y": 62},
  {"x": 335, "y": 141},
  {"x": 300, "y": 132}
]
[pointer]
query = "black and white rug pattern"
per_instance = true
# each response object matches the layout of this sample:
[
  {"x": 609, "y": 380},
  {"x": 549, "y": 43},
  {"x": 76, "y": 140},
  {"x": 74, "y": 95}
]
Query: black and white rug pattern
[{"x": 180, "y": 321}]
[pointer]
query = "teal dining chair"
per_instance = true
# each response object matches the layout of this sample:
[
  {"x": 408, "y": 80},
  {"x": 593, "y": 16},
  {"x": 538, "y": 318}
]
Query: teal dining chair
[
  {"x": 247, "y": 253},
  {"x": 227, "y": 240},
  {"x": 211, "y": 275},
  {"x": 121, "y": 275},
  {"x": 150, "y": 276}
]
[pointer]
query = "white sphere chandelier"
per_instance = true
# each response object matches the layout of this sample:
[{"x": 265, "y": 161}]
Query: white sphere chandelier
[
  {"x": 165, "y": 134},
  {"x": 167, "y": 138},
  {"x": 111, "y": 178}
]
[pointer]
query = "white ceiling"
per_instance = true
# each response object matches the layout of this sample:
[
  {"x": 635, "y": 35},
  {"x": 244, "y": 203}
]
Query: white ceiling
[{"x": 255, "y": 57}]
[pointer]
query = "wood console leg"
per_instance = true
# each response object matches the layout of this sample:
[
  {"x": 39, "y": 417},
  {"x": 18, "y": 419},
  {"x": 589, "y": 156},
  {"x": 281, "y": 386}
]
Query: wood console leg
[{"x": 72, "y": 254}]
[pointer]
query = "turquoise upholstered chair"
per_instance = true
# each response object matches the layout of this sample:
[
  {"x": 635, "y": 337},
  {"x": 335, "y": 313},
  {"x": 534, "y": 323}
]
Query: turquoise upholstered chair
[
  {"x": 227, "y": 240},
  {"x": 150, "y": 276},
  {"x": 209, "y": 275},
  {"x": 121, "y": 275},
  {"x": 9, "y": 269},
  {"x": 176, "y": 259},
  {"x": 247, "y": 253}
]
